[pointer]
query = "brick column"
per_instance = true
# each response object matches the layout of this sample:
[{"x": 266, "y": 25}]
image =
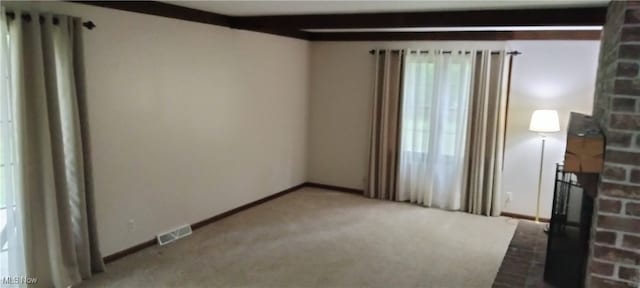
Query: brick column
[{"x": 614, "y": 259}]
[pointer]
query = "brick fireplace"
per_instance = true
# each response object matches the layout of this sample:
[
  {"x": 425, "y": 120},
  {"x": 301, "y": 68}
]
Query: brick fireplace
[{"x": 615, "y": 246}]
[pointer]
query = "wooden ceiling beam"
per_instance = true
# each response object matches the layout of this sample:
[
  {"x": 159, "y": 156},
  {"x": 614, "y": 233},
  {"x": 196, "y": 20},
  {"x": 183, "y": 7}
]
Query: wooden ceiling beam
[{"x": 593, "y": 16}]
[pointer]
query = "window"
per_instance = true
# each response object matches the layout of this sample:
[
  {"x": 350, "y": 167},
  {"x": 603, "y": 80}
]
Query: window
[
  {"x": 419, "y": 76},
  {"x": 434, "y": 96}
]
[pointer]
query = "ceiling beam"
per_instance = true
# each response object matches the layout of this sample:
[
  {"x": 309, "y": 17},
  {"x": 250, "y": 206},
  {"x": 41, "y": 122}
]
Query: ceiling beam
[{"x": 592, "y": 16}]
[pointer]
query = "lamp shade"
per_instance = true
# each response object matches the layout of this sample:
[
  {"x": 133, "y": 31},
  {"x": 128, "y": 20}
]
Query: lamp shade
[{"x": 544, "y": 121}]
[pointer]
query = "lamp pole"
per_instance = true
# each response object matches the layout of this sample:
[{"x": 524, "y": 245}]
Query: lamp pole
[{"x": 540, "y": 179}]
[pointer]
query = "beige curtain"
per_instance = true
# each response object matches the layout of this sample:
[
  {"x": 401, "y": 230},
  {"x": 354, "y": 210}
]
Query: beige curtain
[
  {"x": 486, "y": 133},
  {"x": 54, "y": 177},
  {"x": 385, "y": 129}
]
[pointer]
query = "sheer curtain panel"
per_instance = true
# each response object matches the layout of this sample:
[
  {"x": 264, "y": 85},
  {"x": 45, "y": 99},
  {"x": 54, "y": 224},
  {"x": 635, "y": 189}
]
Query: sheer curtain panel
[
  {"x": 52, "y": 167},
  {"x": 434, "y": 128},
  {"x": 12, "y": 252}
]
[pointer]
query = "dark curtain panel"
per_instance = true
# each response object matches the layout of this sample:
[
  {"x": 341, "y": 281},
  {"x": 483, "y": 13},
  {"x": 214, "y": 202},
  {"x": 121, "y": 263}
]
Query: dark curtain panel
[
  {"x": 385, "y": 127},
  {"x": 486, "y": 133}
]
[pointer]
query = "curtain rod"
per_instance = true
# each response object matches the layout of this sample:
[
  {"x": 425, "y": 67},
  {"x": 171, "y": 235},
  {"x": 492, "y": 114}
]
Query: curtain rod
[
  {"x": 514, "y": 53},
  {"x": 27, "y": 17}
]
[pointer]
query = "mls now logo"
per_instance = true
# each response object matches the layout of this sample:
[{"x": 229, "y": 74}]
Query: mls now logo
[{"x": 19, "y": 280}]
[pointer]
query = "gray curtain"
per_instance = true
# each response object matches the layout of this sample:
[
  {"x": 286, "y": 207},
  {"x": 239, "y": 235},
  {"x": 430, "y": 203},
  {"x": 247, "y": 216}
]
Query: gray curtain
[
  {"x": 54, "y": 174},
  {"x": 486, "y": 133},
  {"x": 385, "y": 127}
]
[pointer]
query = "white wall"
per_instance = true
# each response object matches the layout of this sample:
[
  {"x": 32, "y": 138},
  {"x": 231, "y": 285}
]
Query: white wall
[
  {"x": 556, "y": 75},
  {"x": 187, "y": 120},
  {"x": 550, "y": 74}
]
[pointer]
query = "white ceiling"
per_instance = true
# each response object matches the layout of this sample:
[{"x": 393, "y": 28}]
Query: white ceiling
[{"x": 267, "y": 7}]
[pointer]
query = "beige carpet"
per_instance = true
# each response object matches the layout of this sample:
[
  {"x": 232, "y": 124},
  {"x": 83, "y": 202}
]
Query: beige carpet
[{"x": 318, "y": 238}]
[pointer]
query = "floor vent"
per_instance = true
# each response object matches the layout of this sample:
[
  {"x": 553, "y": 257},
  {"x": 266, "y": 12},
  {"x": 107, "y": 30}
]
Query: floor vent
[{"x": 173, "y": 235}]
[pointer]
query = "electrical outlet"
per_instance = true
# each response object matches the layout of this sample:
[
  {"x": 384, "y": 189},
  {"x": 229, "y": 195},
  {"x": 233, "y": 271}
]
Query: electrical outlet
[
  {"x": 131, "y": 225},
  {"x": 509, "y": 197}
]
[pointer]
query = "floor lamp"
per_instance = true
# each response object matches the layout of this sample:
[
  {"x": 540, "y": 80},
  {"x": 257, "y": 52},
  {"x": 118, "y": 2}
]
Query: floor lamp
[{"x": 543, "y": 121}]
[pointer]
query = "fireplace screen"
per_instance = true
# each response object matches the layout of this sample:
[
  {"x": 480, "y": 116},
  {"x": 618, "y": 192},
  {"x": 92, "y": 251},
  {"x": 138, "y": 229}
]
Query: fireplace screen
[{"x": 568, "y": 233}]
